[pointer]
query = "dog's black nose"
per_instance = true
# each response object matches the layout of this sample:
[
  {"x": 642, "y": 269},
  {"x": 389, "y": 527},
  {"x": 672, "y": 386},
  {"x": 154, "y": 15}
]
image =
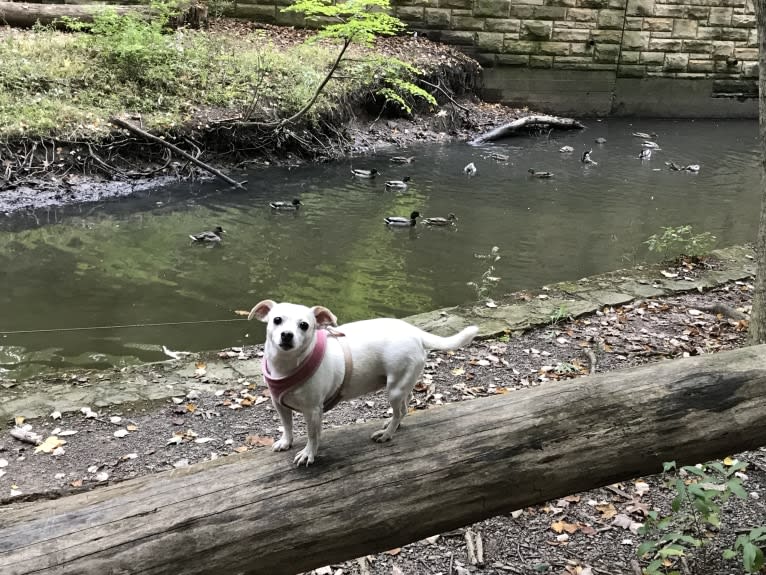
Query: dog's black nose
[{"x": 287, "y": 336}]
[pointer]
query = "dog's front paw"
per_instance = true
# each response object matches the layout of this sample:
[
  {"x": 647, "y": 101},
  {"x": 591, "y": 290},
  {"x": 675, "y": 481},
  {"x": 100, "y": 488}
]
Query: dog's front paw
[
  {"x": 381, "y": 436},
  {"x": 282, "y": 444},
  {"x": 304, "y": 457}
]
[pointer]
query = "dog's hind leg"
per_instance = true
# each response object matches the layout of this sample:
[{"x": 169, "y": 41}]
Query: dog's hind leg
[
  {"x": 399, "y": 393},
  {"x": 314, "y": 427},
  {"x": 286, "y": 417}
]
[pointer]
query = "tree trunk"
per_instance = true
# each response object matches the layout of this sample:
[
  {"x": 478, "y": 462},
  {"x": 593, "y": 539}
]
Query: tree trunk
[
  {"x": 23, "y": 15},
  {"x": 527, "y": 124},
  {"x": 757, "y": 330},
  {"x": 447, "y": 467}
]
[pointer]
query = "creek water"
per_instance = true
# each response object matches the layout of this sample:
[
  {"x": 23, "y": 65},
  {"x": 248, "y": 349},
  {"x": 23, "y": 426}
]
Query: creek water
[{"x": 130, "y": 262}]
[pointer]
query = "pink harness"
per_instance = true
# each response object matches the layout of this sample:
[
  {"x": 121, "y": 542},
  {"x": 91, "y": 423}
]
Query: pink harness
[{"x": 279, "y": 387}]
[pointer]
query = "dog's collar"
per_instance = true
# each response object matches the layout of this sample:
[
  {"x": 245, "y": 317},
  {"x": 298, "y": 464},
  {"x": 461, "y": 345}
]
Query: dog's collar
[{"x": 280, "y": 386}]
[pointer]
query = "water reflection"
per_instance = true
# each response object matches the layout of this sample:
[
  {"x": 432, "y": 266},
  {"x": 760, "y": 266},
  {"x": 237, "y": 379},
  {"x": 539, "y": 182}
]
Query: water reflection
[{"x": 131, "y": 262}]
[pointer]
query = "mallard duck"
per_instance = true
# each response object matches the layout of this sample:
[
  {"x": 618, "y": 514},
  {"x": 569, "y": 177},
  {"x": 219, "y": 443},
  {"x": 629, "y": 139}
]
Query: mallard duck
[
  {"x": 437, "y": 221},
  {"x": 644, "y": 135},
  {"x": 470, "y": 169},
  {"x": 600, "y": 140},
  {"x": 566, "y": 149},
  {"x": 286, "y": 206},
  {"x": 401, "y": 221},
  {"x": 366, "y": 174},
  {"x": 651, "y": 145},
  {"x": 586, "y": 159},
  {"x": 398, "y": 184},
  {"x": 208, "y": 237},
  {"x": 402, "y": 159},
  {"x": 645, "y": 154},
  {"x": 536, "y": 174},
  {"x": 692, "y": 168},
  {"x": 498, "y": 157}
]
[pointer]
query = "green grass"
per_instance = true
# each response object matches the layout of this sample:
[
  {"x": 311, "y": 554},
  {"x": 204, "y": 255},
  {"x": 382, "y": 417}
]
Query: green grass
[{"x": 67, "y": 85}]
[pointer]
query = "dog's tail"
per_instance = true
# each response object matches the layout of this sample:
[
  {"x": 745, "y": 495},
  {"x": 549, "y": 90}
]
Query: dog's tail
[{"x": 431, "y": 341}]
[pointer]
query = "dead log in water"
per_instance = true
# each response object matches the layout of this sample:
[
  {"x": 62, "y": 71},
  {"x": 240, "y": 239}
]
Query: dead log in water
[
  {"x": 447, "y": 467},
  {"x": 526, "y": 125}
]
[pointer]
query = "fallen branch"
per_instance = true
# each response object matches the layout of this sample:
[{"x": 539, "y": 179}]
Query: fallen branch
[
  {"x": 177, "y": 150},
  {"x": 26, "y": 436},
  {"x": 527, "y": 124}
]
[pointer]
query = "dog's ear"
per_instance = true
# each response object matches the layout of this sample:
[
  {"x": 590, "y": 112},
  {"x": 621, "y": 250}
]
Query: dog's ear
[
  {"x": 261, "y": 309},
  {"x": 324, "y": 316}
]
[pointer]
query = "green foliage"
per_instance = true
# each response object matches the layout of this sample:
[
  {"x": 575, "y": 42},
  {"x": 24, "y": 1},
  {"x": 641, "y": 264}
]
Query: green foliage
[
  {"x": 681, "y": 241},
  {"x": 359, "y": 21},
  {"x": 562, "y": 312},
  {"x": 488, "y": 280},
  {"x": 701, "y": 491}
]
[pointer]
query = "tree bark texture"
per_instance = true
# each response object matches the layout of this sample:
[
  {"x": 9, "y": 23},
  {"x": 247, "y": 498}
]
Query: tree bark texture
[
  {"x": 757, "y": 329},
  {"x": 526, "y": 125},
  {"x": 447, "y": 467},
  {"x": 23, "y": 15}
]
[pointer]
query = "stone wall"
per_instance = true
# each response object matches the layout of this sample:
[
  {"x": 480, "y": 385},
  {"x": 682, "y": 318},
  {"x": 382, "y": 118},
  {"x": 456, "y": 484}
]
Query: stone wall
[{"x": 713, "y": 41}]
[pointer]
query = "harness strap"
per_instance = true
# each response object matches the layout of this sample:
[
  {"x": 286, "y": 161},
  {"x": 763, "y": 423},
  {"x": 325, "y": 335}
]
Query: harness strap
[{"x": 335, "y": 398}]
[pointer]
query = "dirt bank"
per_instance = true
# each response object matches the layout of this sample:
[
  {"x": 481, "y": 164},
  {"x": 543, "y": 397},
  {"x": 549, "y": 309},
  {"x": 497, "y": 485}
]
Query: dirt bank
[{"x": 49, "y": 168}]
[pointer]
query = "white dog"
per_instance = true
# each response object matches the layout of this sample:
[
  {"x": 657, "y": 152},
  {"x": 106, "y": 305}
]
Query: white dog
[{"x": 309, "y": 368}]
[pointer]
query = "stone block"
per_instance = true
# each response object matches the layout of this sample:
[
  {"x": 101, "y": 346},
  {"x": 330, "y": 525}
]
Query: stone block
[
  {"x": 652, "y": 58},
  {"x": 658, "y": 24},
  {"x": 698, "y": 46},
  {"x": 607, "y": 53},
  {"x": 743, "y": 20},
  {"x": 611, "y": 19},
  {"x": 571, "y": 35},
  {"x": 593, "y": 3},
  {"x": 720, "y": 16},
  {"x": 519, "y": 47},
  {"x": 294, "y": 19},
  {"x": 727, "y": 66},
  {"x": 641, "y": 8},
  {"x": 722, "y": 33},
  {"x": 697, "y": 12},
  {"x": 635, "y": 40},
  {"x": 553, "y": 48},
  {"x": 684, "y": 28},
  {"x": 489, "y": 41},
  {"x": 535, "y": 30},
  {"x": 629, "y": 57},
  {"x": 565, "y": 3},
  {"x": 457, "y": 38},
  {"x": 662, "y": 34},
  {"x": 669, "y": 11},
  {"x": 467, "y": 22},
  {"x": 750, "y": 69},
  {"x": 700, "y": 66},
  {"x": 676, "y": 62},
  {"x": 541, "y": 61},
  {"x": 411, "y": 14},
  {"x": 549, "y": 13},
  {"x": 499, "y": 24},
  {"x": 455, "y": 4},
  {"x": 486, "y": 60},
  {"x": 576, "y": 62},
  {"x": 752, "y": 39},
  {"x": 582, "y": 14},
  {"x": 631, "y": 71},
  {"x": 513, "y": 59},
  {"x": 265, "y": 14},
  {"x": 665, "y": 45},
  {"x": 492, "y": 8},
  {"x": 521, "y": 11},
  {"x": 723, "y": 50},
  {"x": 582, "y": 49},
  {"x": 437, "y": 18},
  {"x": 633, "y": 22},
  {"x": 746, "y": 53},
  {"x": 618, "y": 4},
  {"x": 609, "y": 36}
]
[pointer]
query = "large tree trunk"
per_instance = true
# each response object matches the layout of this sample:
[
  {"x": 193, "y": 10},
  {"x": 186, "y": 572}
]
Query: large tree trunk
[
  {"x": 757, "y": 331},
  {"x": 447, "y": 467},
  {"x": 23, "y": 15}
]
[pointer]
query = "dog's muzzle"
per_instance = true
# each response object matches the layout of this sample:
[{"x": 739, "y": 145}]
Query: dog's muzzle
[{"x": 286, "y": 340}]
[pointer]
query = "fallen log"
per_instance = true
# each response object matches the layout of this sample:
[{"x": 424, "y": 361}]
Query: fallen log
[
  {"x": 526, "y": 125},
  {"x": 23, "y": 15},
  {"x": 447, "y": 467}
]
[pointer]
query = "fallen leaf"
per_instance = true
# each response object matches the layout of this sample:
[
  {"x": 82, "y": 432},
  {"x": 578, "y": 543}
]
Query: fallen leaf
[
  {"x": 76, "y": 483},
  {"x": 181, "y": 463},
  {"x": 458, "y": 371},
  {"x": 607, "y": 510},
  {"x": 259, "y": 440},
  {"x": 191, "y": 408},
  {"x": 561, "y": 526},
  {"x": 3, "y": 463},
  {"x": 393, "y": 552},
  {"x": 641, "y": 487},
  {"x": 121, "y": 433},
  {"x": 240, "y": 449},
  {"x": 728, "y": 461},
  {"x": 103, "y": 476},
  {"x": 49, "y": 444},
  {"x": 115, "y": 419},
  {"x": 66, "y": 432},
  {"x": 132, "y": 428},
  {"x": 19, "y": 419},
  {"x": 204, "y": 439}
]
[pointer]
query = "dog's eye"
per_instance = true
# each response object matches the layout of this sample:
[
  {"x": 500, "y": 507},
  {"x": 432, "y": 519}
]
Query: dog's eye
[
  {"x": 303, "y": 325},
  {"x": 277, "y": 320}
]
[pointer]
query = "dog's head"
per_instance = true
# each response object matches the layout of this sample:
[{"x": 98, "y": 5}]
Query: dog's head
[{"x": 290, "y": 328}]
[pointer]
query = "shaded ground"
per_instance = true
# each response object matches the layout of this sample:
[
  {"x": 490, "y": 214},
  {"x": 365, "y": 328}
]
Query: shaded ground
[{"x": 237, "y": 417}]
